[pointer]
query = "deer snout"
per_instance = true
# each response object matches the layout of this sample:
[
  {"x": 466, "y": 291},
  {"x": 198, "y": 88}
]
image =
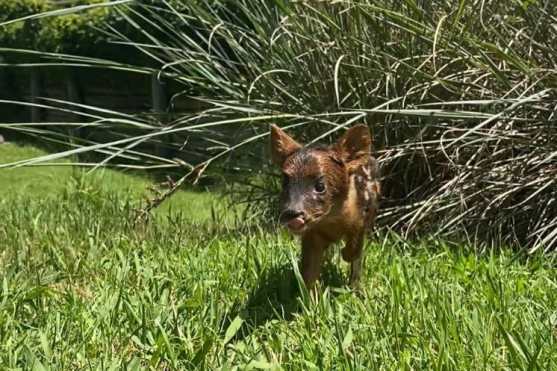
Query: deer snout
[
  {"x": 290, "y": 214},
  {"x": 294, "y": 219}
]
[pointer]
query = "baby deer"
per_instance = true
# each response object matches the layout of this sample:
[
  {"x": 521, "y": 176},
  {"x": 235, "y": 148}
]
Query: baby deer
[{"x": 328, "y": 194}]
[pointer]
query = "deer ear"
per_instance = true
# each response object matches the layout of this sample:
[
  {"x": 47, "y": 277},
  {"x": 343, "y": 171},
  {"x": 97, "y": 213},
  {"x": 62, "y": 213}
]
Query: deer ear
[
  {"x": 282, "y": 145},
  {"x": 355, "y": 144}
]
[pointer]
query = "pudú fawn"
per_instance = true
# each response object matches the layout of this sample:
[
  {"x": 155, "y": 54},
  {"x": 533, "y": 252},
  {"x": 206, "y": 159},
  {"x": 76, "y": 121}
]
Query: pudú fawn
[{"x": 328, "y": 194}]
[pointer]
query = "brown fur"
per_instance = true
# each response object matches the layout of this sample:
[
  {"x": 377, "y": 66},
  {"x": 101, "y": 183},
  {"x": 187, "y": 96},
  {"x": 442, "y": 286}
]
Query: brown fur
[{"x": 332, "y": 192}]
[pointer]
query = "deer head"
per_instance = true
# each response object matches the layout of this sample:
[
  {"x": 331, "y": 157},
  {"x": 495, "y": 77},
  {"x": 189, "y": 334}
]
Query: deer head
[{"x": 316, "y": 179}]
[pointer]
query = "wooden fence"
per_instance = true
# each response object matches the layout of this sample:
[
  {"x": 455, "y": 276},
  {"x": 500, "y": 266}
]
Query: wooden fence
[{"x": 113, "y": 90}]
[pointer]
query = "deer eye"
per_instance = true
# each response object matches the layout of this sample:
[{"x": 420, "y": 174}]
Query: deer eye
[{"x": 319, "y": 186}]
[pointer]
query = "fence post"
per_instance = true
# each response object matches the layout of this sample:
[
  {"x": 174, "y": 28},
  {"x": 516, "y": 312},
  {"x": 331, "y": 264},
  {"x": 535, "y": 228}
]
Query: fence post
[
  {"x": 3, "y": 79},
  {"x": 74, "y": 94},
  {"x": 36, "y": 89},
  {"x": 159, "y": 102},
  {"x": 3, "y": 89}
]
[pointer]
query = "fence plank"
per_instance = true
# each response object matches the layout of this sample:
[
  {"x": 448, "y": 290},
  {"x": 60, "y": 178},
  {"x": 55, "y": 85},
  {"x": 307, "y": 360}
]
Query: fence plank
[
  {"x": 36, "y": 91},
  {"x": 74, "y": 93},
  {"x": 158, "y": 95},
  {"x": 159, "y": 101}
]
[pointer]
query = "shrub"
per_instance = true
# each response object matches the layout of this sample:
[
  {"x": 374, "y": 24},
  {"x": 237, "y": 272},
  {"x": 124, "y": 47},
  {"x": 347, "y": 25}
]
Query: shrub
[
  {"x": 81, "y": 33},
  {"x": 21, "y": 34},
  {"x": 461, "y": 99}
]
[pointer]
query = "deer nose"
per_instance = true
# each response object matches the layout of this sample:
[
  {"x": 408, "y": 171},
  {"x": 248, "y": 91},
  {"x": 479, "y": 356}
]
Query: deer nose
[
  {"x": 294, "y": 220},
  {"x": 291, "y": 214}
]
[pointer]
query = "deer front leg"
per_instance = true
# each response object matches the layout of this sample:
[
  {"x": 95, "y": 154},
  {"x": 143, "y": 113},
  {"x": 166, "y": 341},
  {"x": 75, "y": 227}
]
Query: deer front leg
[
  {"x": 353, "y": 252},
  {"x": 313, "y": 248}
]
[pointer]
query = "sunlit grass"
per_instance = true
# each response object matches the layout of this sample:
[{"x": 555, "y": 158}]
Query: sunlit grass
[
  {"x": 81, "y": 288},
  {"x": 51, "y": 181}
]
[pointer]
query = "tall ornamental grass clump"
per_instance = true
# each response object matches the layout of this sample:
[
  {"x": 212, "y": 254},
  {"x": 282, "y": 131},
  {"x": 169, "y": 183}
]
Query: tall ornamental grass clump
[{"x": 460, "y": 97}]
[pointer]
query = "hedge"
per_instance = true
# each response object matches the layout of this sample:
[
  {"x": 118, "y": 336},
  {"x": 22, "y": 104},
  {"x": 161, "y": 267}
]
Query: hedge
[{"x": 75, "y": 33}]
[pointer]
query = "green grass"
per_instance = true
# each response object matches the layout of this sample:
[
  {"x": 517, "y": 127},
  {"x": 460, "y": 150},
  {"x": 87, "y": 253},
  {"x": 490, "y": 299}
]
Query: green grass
[
  {"x": 49, "y": 181},
  {"x": 82, "y": 289}
]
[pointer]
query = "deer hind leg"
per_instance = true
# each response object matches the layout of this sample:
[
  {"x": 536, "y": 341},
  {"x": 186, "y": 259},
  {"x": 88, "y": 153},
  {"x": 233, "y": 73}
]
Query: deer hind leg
[{"x": 353, "y": 253}]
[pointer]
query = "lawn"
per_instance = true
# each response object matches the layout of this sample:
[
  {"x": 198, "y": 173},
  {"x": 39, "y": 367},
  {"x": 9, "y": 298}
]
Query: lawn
[
  {"x": 83, "y": 288},
  {"x": 52, "y": 181}
]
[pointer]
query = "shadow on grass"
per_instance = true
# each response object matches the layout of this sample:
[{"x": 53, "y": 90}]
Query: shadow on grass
[{"x": 278, "y": 296}]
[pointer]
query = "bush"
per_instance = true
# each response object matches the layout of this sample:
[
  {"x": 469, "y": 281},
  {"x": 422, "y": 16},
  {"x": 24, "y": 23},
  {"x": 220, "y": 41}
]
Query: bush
[
  {"x": 461, "y": 100},
  {"x": 21, "y": 34},
  {"x": 82, "y": 33}
]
